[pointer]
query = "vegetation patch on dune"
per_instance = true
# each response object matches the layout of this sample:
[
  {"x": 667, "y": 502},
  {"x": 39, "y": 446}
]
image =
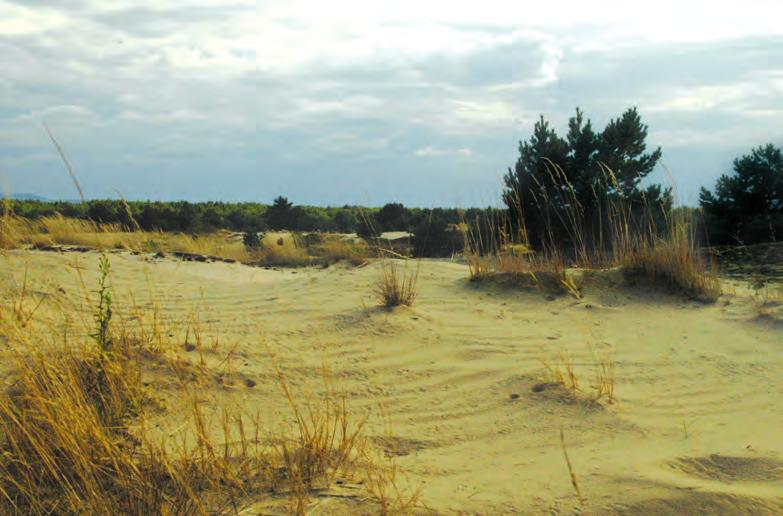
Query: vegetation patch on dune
[{"x": 74, "y": 434}]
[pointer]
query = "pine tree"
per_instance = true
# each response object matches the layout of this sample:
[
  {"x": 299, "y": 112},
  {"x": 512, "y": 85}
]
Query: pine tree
[
  {"x": 747, "y": 205},
  {"x": 621, "y": 149},
  {"x": 531, "y": 185},
  {"x": 579, "y": 174}
]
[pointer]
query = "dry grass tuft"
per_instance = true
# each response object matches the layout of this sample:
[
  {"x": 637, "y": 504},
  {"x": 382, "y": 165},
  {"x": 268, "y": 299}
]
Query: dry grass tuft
[
  {"x": 396, "y": 286},
  {"x": 563, "y": 373},
  {"x": 675, "y": 261},
  {"x": 604, "y": 381}
]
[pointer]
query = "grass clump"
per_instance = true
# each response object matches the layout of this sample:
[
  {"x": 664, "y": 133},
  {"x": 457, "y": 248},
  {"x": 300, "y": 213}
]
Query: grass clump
[
  {"x": 674, "y": 261},
  {"x": 563, "y": 373},
  {"x": 64, "y": 440},
  {"x": 397, "y": 285}
]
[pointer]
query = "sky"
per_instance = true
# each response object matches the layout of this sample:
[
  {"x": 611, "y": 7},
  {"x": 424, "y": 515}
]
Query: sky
[{"x": 366, "y": 102}]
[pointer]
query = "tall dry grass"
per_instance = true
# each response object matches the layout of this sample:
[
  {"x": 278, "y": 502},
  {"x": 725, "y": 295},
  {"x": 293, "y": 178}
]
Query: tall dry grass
[
  {"x": 398, "y": 283},
  {"x": 641, "y": 237},
  {"x": 335, "y": 249},
  {"x": 75, "y": 439},
  {"x": 276, "y": 249}
]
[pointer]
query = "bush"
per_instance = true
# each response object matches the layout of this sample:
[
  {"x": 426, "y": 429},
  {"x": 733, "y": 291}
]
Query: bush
[
  {"x": 251, "y": 239},
  {"x": 436, "y": 238},
  {"x": 368, "y": 227},
  {"x": 393, "y": 217}
]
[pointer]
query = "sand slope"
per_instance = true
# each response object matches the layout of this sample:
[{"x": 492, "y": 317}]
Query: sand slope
[{"x": 696, "y": 427}]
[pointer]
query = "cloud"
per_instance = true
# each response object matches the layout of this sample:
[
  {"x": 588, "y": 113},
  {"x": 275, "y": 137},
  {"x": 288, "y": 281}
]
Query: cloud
[
  {"x": 342, "y": 102},
  {"x": 428, "y": 151}
]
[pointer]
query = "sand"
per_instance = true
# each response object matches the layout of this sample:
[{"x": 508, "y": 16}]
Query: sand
[{"x": 696, "y": 426}]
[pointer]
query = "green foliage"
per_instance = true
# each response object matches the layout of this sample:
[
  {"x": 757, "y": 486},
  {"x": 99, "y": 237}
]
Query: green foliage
[
  {"x": 205, "y": 217},
  {"x": 436, "y": 234},
  {"x": 747, "y": 205},
  {"x": 557, "y": 178},
  {"x": 251, "y": 239},
  {"x": 346, "y": 221},
  {"x": 368, "y": 227},
  {"x": 279, "y": 215},
  {"x": 393, "y": 217}
]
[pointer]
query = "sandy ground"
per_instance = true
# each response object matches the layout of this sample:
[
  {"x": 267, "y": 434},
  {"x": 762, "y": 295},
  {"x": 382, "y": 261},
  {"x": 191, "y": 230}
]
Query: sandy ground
[{"x": 696, "y": 427}]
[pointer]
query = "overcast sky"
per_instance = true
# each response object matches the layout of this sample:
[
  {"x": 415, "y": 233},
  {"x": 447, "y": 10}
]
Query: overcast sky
[{"x": 422, "y": 102}]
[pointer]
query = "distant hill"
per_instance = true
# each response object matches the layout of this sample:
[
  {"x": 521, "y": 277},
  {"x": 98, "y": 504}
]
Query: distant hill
[{"x": 27, "y": 197}]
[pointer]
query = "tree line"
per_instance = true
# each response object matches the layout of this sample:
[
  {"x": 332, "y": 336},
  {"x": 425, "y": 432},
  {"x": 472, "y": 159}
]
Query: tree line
[
  {"x": 434, "y": 229},
  {"x": 555, "y": 177}
]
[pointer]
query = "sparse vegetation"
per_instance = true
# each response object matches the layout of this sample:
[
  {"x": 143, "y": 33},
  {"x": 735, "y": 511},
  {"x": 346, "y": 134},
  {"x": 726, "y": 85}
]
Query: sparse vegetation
[
  {"x": 571, "y": 472},
  {"x": 573, "y": 203},
  {"x": 274, "y": 249},
  {"x": 74, "y": 436},
  {"x": 674, "y": 260},
  {"x": 640, "y": 238},
  {"x": 563, "y": 372},
  {"x": 397, "y": 285}
]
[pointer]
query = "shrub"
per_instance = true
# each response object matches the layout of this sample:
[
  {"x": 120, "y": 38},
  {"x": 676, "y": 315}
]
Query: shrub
[
  {"x": 251, "y": 239},
  {"x": 368, "y": 228},
  {"x": 435, "y": 237}
]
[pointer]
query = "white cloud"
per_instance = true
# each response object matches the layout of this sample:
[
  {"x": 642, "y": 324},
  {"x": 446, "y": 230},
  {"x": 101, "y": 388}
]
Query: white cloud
[
  {"x": 425, "y": 152},
  {"x": 193, "y": 83},
  {"x": 430, "y": 151},
  {"x": 17, "y": 20}
]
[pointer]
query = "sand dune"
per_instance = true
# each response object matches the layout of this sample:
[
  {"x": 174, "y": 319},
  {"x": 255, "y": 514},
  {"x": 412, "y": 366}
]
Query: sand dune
[{"x": 461, "y": 378}]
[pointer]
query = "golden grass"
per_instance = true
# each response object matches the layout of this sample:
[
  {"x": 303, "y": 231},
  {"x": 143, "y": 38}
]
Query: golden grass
[
  {"x": 562, "y": 371},
  {"x": 74, "y": 437},
  {"x": 397, "y": 285},
  {"x": 277, "y": 249},
  {"x": 628, "y": 238},
  {"x": 571, "y": 472},
  {"x": 604, "y": 381},
  {"x": 334, "y": 249},
  {"x": 283, "y": 249},
  {"x": 674, "y": 261}
]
